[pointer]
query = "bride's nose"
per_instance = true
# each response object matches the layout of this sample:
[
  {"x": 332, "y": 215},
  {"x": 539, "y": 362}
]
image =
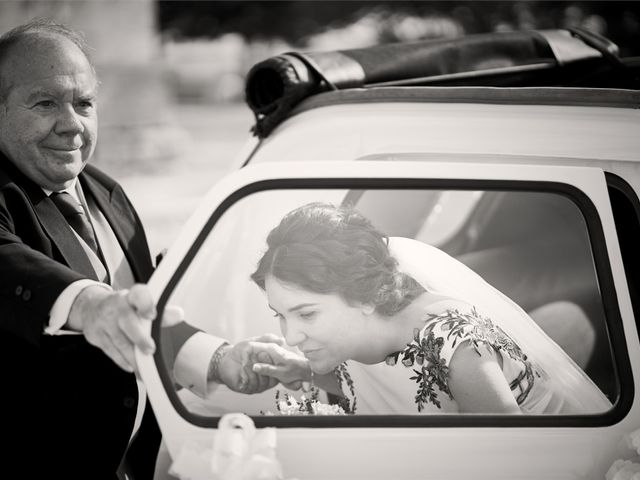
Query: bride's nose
[{"x": 293, "y": 335}]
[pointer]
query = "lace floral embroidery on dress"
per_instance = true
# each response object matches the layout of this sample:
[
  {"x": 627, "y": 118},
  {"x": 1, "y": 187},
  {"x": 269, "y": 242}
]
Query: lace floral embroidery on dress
[
  {"x": 433, "y": 369},
  {"x": 342, "y": 377}
]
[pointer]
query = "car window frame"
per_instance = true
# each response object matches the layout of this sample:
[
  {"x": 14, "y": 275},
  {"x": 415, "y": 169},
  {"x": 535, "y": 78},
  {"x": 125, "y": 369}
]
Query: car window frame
[{"x": 603, "y": 272}]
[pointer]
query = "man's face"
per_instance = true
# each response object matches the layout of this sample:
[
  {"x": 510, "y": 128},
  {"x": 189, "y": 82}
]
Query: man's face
[{"x": 48, "y": 122}]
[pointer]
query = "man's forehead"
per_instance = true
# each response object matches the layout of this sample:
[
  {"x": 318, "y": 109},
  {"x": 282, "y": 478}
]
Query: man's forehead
[
  {"x": 61, "y": 85},
  {"x": 46, "y": 56}
]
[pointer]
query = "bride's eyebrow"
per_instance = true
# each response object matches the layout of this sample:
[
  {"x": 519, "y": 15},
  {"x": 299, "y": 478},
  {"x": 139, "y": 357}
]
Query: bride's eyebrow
[
  {"x": 301, "y": 305},
  {"x": 293, "y": 309}
]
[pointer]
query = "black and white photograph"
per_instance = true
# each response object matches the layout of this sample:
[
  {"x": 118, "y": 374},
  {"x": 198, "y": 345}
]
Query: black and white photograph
[{"x": 320, "y": 240}]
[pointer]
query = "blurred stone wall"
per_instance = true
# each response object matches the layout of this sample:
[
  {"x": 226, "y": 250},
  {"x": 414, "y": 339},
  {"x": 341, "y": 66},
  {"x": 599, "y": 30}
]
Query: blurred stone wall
[{"x": 137, "y": 131}]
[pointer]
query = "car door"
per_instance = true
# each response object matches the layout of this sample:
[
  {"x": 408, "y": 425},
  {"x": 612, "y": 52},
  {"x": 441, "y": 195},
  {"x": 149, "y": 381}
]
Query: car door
[{"x": 206, "y": 272}]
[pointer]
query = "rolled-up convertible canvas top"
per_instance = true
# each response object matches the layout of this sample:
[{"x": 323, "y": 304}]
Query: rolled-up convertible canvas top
[{"x": 274, "y": 86}]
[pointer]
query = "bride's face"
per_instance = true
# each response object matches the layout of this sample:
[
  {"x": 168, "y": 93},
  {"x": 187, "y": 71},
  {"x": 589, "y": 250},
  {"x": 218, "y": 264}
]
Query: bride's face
[{"x": 325, "y": 328}]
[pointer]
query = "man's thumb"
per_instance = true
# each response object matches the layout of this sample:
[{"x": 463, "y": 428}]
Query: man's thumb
[{"x": 141, "y": 300}]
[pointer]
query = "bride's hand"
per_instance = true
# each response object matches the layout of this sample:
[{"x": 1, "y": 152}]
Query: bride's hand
[{"x": 289, "y": 368}]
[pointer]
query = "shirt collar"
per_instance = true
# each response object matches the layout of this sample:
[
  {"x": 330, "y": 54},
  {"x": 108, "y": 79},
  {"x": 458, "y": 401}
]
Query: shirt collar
[{"x": 71, "y": 190}]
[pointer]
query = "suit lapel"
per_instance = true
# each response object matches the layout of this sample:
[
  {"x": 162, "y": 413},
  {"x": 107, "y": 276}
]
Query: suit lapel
[
  {"x": 60, "y": 233},
  {"x": 114, "y": 206},
  {"x": 124, "y": 225},
  {"x": 58, "y": 230}
]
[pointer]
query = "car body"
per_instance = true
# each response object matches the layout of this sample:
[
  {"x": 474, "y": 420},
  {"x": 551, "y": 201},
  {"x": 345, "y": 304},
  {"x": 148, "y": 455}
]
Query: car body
[{"x": 531, "y": 182}]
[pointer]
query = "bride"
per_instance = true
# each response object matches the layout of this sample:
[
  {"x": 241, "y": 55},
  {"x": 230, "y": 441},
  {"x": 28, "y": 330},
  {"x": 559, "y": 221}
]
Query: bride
[{"x": 393, "y": 325}]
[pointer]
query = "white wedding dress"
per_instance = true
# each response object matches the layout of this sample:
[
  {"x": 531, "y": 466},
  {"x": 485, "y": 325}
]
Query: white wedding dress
[{"x": 545, "y": 380}]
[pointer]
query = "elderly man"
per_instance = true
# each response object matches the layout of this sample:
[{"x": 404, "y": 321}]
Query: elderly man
[{"x": 71, "y": 245}]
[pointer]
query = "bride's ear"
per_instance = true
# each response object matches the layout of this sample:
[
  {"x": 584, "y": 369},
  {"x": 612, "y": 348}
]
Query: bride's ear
[{"x": 367, "y": 309}]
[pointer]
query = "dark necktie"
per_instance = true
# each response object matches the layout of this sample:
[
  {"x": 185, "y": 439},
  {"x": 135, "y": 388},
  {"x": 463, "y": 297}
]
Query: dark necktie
[{"x": 76, "y": 217}]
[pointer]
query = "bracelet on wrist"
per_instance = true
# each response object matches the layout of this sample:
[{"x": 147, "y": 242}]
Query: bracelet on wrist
[{"x": 213, "y": 375}]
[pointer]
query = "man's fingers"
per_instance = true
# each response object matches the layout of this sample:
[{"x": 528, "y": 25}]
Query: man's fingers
[
  {"x": 244, "y": 383},
  {"x": 136, "y": 333},
  {"x": 172, "y": 315},
  {"x": 140, "y": 306},
  {"x": 270, "y": 383},
  {"x": 141, "y": 300},
  {"x": 245, "y": 350},
  {"x": 125, "y": 348},
  {"x": 114, "y": 324},
  {"x": 109, "y": 348}
]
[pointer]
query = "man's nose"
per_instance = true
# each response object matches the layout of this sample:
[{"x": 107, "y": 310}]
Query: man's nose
[{"x": 68, "y": 121}]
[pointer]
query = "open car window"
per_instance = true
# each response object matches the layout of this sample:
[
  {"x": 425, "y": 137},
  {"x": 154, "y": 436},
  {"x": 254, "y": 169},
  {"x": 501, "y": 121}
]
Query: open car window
[{"x": 543, "y": 241}]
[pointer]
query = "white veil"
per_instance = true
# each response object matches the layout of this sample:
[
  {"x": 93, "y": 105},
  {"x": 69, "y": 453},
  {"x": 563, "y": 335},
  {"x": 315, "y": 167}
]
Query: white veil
[{"x": 440, "y": 273}]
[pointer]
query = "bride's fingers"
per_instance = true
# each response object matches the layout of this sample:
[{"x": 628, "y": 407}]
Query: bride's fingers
[
  {"x": 263, "y": 357},
  {"x": 269, "y": 338},
  {"x": 270, "y": 352},
  {"x": 283, "y": 374},
  {"x": 254, "y": 352},
  {"x": 297, "y": 385}
]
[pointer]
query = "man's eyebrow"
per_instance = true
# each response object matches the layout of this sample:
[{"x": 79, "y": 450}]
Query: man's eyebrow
[
  {"x": 39, "y": 93},
  {"x": 88, "y": 97},
  {"x": 89, "y": 93}
]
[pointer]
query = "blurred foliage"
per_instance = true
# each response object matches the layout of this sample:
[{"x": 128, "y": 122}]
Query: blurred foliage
[{"x": 302, "y": 23}]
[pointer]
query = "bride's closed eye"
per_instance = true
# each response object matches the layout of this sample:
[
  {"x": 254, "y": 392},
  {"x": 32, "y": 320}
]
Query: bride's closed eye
[{"x": 307, "y": 315}]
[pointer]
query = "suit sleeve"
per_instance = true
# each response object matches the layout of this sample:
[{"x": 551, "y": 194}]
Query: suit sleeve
[
  {"x": 187, "y": 352},
  {"x": 31, "y": 281}
]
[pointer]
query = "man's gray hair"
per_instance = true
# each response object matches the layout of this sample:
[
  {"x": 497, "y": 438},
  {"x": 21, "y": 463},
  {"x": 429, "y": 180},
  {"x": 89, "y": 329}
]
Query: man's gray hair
[{"x": 37, "y": 27}]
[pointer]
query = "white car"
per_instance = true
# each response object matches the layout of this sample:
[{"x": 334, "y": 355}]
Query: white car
[{"x": 521, "y": 158}]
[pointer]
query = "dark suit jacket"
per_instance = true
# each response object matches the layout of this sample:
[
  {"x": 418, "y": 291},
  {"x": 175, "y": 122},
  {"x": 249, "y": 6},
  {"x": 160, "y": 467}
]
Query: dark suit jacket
[{"x": 66, "y": 408}]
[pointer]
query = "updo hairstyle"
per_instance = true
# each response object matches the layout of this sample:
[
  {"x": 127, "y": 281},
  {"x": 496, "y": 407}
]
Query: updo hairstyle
[{"x": 326, "y": 249}]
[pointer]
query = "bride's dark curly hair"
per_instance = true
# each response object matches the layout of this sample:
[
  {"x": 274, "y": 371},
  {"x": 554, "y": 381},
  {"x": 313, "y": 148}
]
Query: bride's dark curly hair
[{"x": 335, "y": 250}]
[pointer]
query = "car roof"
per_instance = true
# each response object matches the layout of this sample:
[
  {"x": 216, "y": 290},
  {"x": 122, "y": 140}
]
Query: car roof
[
  {"x": 584, "y": 97},
  {"x": 557, "y": 67}
]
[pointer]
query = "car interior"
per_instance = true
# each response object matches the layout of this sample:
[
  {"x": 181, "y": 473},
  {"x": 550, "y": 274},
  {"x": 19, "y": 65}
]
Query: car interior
[{"x": 532, "y": 246}]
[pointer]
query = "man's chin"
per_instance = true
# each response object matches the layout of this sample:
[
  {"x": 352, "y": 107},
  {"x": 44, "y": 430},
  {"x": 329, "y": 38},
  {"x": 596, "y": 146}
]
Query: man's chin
[
  {"x": 70, "y": 168},
  {"x": 64, "y": 177}
]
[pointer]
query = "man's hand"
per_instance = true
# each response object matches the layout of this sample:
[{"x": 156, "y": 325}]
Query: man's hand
[
  {"x": 235, "y": 369},
  {"x": 115, "y": 321}
]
